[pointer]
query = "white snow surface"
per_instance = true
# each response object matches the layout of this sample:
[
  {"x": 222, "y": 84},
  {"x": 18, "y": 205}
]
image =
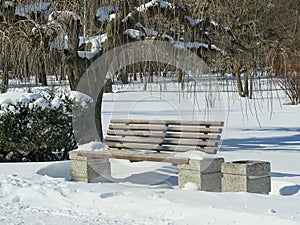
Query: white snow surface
[
  {"x": 15, "y": 97},
  {"x": 194, "y": 155},
  {"x": 147, "y": 192},
  {"x": 79, "y": 96},
  {"x": 93, "y": 146}
]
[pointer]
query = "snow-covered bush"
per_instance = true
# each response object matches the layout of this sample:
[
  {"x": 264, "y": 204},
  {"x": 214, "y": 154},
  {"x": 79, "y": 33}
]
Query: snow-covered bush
[{"x": 35, "y": 127}]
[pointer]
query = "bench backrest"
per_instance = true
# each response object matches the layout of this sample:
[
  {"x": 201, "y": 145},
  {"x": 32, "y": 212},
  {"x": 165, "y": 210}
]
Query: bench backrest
[{"x": 164, "y": 135}]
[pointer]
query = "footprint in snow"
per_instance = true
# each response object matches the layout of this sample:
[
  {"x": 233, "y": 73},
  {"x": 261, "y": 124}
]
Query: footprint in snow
[
  {"x": 111, "y": 194},
  {"x": 16, "y": 199},
  {"x": 157, "y": 194}
]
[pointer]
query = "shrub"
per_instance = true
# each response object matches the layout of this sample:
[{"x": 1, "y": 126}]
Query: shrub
[
  {"x": 287, "y": 67},
  {"x": 37, "y": 130}
]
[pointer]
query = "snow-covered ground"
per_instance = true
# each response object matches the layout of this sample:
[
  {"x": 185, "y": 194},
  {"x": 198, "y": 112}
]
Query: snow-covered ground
[{"x": 147, "y": 192}]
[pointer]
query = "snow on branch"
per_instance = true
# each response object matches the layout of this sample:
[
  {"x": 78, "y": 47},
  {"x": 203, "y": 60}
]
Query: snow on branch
[
  {"x": 96, "y": 45},
  {"x": 144, "y": 7},
  {"x": 106, "y": 13},
  {"x": 135, "y": 34},
  {"x": 61, "y": 16},
  {"x": 161, "y": 3},
  {"x": 27, "y": 9},
  {"x": 177, "y": 44}
]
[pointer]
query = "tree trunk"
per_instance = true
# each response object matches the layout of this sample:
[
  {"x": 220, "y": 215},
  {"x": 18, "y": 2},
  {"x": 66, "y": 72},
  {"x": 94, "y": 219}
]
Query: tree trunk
[
  {"x": 239, "y": 84},
  {"x": 251, "y": 86},
  {"x": 43, "y": 77},
  {"x": 151, "y": 72},
  {"x": 98, "y": 110},
  {"x": 5, "y": 77},
  {"x": 246, "y": 84}
]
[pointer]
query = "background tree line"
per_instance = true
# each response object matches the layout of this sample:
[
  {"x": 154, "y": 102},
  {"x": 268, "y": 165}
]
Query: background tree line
[{"x": 236, "y": 38}]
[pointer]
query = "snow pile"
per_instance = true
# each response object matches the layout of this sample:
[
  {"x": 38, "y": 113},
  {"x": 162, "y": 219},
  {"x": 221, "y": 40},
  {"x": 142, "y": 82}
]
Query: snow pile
[
  {"x": 12, "y": 98},
  {"x": 190, "y": 187},
  {"x": 93, "y": 146},
  {"x": 43, "y": 100},
  {"x": 80, "y": 98},
  {"x": 8, "y": 101},
  {"x": 194, "y": 155}
]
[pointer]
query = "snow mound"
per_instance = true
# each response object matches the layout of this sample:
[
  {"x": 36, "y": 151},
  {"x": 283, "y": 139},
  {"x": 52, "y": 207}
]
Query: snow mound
[
  {"x": 80, "y": 97},
  {"x": 194, "y": 155},
  {"x": 12, "y": 98},
  {"x": 93, "y": 146},
  {"x": 190, "y": 187}
]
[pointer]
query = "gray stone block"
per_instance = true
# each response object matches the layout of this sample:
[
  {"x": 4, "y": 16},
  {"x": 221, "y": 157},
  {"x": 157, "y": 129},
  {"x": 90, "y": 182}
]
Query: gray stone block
[
  {"x": 246, "y": 176},
  {"x": 247, "y": 168},
  {"x": 240, "y": 183},
  {"x": 206, "y": 165},
  {"x": 206, "y": 181},
  {"x": 83, "y": 169}
]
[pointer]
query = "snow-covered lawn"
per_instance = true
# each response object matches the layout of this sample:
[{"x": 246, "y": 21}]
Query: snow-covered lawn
[{"x": 147, "y": 192}]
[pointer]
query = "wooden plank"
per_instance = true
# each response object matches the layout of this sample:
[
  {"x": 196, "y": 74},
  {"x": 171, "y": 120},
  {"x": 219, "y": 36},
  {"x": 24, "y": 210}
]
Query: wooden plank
[
  {"x": 169, "y": 122},
  {"x": 134, "y": 156},
  {"x": 160, "y": 148},
  {"x": 163, "y": 135},
  {"x": 194, "y": 129},
  {"x": 165, "y": 129},
  {"x": 162, "y": 141},
  {"x": 133, "y": 140}
]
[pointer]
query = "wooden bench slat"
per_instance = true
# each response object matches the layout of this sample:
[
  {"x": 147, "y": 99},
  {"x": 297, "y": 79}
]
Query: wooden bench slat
[
  {"x": 134, "y": 156},
  {"x": 162, "y": 142},
  {"x": 169, "y": 122},
  {"x": 165, "y": 129},
  {"x": 160, "y": 148},
  {"x": 163, "y": 135}
]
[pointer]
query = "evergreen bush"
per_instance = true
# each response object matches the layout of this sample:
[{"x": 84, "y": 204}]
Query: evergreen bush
[{"x": 38, "y": 130}]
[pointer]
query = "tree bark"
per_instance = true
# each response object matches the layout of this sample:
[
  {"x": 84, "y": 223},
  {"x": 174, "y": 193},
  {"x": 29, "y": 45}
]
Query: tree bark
[
  {"x": 5, "y": 76},
  {"x": 43, "y": 77},
  {"x": 239, "y": 84},
  {"x": 98, "y": 110},
  {"x": 246, "y": 84}
]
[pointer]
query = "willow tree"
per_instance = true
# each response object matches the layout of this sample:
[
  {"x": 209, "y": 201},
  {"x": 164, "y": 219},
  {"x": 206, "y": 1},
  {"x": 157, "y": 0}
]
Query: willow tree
[{"x": 253, "y": 36}]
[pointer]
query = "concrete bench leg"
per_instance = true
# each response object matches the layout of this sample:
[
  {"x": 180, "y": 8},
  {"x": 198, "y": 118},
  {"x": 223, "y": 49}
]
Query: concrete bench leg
[
  {"x": 84, "y": 169},
  {"x": 205, "y": 174},
  {"x": 246, "y": 176}
]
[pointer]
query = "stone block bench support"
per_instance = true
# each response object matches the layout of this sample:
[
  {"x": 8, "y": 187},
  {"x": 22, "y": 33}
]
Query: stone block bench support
[
  {"x": 87, "y": 169},
  {"x": 246, "y": 176},
  {"x": 205, "y": 174}
]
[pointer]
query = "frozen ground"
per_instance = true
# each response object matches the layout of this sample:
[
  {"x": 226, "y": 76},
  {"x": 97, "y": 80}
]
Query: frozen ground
[{"x": 146, "y": 192}]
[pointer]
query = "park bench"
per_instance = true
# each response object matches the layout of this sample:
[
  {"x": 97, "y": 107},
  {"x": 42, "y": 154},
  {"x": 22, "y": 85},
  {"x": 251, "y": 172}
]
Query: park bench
[{"x": 157, "y": 141}]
